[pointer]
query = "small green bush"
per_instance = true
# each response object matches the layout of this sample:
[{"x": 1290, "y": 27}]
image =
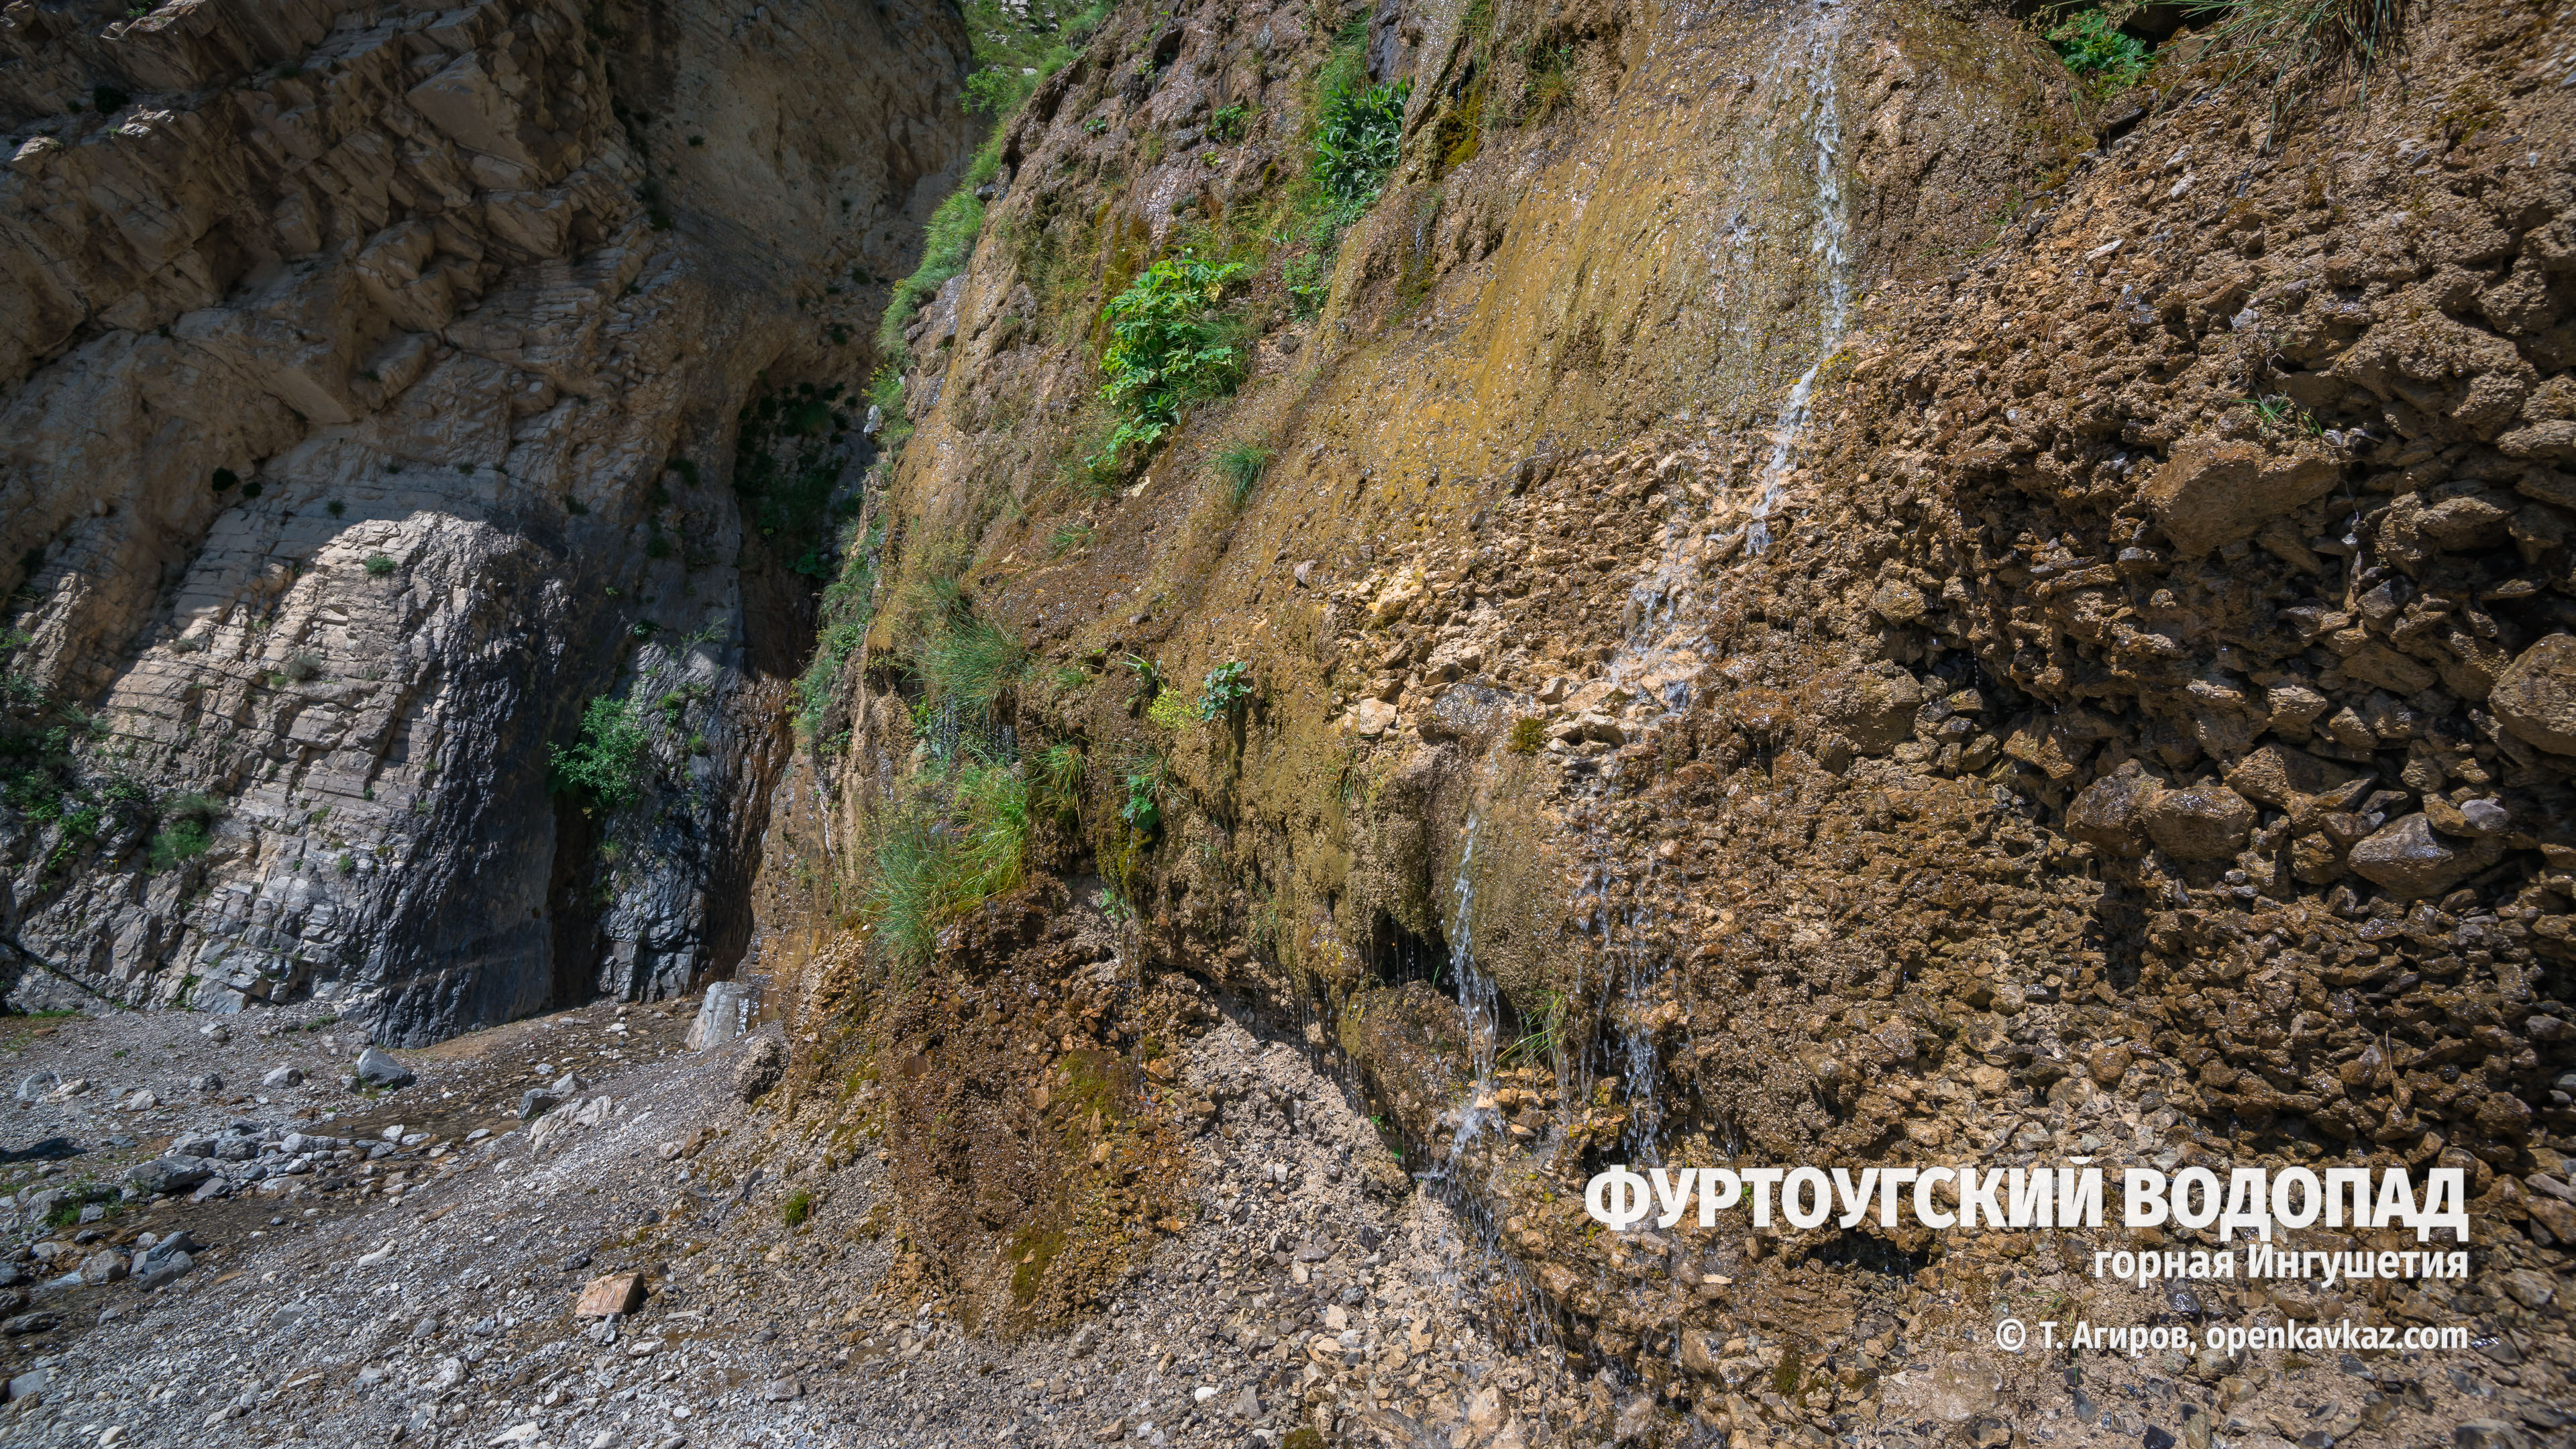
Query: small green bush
[
  {"x": 1169, "y": 711},
  {"x": 2094, "y": 47},
  {"x": 177, "y": 843},
  {"x": 1139, "y": 810},
  {"x": 1055, "y": 775},
  {"x": 1358, "y": 137},
  {"x": 379, "y": 565},
  {"x": 1167, "y": 347},
  {"x": 1224, "y": 691},
  {"x": 606, "y": 766}
]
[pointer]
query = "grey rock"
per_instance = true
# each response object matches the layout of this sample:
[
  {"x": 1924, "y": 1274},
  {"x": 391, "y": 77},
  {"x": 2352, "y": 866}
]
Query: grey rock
[
  {"x": 537, "y": 1102},
  {"x": 168, "y": 1174},
  {"x": 377, "y": 1068},
  {"x": 284, "y": 1077}
]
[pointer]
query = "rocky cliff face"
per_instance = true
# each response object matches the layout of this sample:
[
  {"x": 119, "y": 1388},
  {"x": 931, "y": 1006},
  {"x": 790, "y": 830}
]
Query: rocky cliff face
[
  {"x": 1802, "y": 591},
  {"x": 372, "y": 376}
]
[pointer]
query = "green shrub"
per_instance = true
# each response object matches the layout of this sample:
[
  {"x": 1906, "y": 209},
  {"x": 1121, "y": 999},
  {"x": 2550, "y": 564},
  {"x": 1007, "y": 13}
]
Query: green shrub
[
  {"x": 606, "y": 766},
  {"x": 1139, "y": 810},
  {"x": 379, "y": 565},
  {"x": 2094, "y": 47},
  {"x": 223, "y": 479},
  {"x": 1167, "y": 347},
  {"x": 177, "y": 843},
  {"x": 1168, "y": 711},
  {"x": 1224, "y": 691},
  {"x": 1358, "y": 136},
  {"x": 1230, "y": 122}
]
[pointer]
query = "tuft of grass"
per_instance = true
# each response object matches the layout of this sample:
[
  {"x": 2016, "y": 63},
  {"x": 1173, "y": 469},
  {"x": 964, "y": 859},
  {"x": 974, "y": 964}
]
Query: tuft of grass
[
  {"x": 935, "y": 859},
  {"x": 300, "y": 666},
  {"x": 970, "y": 662},
  {"x": 1055, "y": 778},
  {"x": 2289, "y": 47},
  {"x": 798, "y": 1207},
  {"x": 1241, "y": 466}
]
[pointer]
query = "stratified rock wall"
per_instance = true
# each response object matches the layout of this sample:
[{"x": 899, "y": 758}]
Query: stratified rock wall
[{"x": 370, "y": 376}]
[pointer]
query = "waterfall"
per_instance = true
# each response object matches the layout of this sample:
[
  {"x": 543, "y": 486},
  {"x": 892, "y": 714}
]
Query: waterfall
[
  {"x": 1833, "y": 258},
  {"x": 1479, "y": 1003}
]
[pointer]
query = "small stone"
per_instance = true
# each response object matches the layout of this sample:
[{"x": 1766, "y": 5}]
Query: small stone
[
  {"x": 284, "y": 1077},
  {"x": 1371, "y": 718},
  {"x": 205, "y": 1082},
  {"x": 779, "y": 1391},
  {"x": 168, "y": 1174}
]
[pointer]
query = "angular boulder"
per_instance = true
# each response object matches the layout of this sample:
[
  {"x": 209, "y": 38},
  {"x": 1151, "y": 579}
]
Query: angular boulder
[
  {"x": 2105, "y": 814},
  {"x": 763, "y": 1064},
  {"x": 377, "y": 1068},
  {"x": 168, "y": 1174},
  {"x": 2407, "y": 860},
  {"x": 2535, "y": 697},
  {"x": 2212, "y": 492},
  {"x": 2201, "y": 822}
]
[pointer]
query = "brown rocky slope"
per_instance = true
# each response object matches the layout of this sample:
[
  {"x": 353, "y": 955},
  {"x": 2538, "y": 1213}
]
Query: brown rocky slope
[{"x": 1867, "y": 611}]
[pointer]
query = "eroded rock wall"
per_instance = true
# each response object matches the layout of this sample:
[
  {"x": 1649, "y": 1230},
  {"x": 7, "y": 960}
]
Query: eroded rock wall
[
  {"x": 372, "y": 383},
  {"x": 1814, "y": 598}
]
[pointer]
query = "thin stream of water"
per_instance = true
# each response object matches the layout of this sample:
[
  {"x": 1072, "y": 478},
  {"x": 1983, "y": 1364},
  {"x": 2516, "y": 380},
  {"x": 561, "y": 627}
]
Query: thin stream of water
[{"x": 1833, "y": 251}]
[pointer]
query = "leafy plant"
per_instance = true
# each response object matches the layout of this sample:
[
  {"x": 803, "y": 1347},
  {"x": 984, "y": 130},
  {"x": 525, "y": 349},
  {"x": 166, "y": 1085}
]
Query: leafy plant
[
  {"x": 1166, "y": 347},
  {"x": 1358, "y": 137},
  {"x": 1148, "y": 677},
  {"x": 1230, "y": 122},
  {"x": 300, "y": 666},
  {"x": 2094, "y": 47},
  {"x": 606, "y": 766},
  {"x": 184, "y": 834},
  {"x": 379, "y": 565},
  {"x": 1224, "y": 691},
  {"x": 1139, "y": 809}
]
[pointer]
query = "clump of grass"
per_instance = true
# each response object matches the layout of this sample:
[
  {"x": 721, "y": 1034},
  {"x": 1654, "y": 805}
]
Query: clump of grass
[
  {"x": 606, "y": 766},
  {"x": 300, "y": 666},
  {"x": 1241, "y": 466},
  {"x": 186, "y": 831},
  {"x": 2301, "y": 41},
  {"x": 798, "y": 1207},
  {"x": 1055, "y": 778},
  {"x": 969, "y": 662},
  {"x": 936, "y": 858}
]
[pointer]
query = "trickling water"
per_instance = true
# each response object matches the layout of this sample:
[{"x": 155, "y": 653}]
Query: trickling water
[
  {"x": 1478, "y": 1001},
  {"x": 1665, "y": 621},
  {"x": 1833, "y": 252}
]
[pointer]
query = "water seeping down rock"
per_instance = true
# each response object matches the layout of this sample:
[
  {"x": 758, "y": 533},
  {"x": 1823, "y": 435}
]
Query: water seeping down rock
[
  {"x": 1911, "y": 614},
  {"x": 371, "y": 382}
]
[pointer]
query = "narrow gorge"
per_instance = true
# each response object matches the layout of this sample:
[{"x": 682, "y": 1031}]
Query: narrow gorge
[{"x": 890, "y": 726}]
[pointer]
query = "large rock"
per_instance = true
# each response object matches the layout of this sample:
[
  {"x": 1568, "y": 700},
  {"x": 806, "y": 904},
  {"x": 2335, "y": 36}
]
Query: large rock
[
  {"x": 168, "y": 1174},
  {"x": 2407, "y": 860},
  {"x": 2198, "y": 823},
  {"x": 2277, "y": 774},
  {"x": 377, "y": 1068},
  {"x": 763, "y": 1063},
  {"x": 2212, "y": 492},
  {"x": 2535, "y": 697},
  {"x": 2105, "y": 814},
  {"x": 723, "y": 1014},
  {"x": 1873, "y": 708},
  {"x": 2201, "y": 822}
]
